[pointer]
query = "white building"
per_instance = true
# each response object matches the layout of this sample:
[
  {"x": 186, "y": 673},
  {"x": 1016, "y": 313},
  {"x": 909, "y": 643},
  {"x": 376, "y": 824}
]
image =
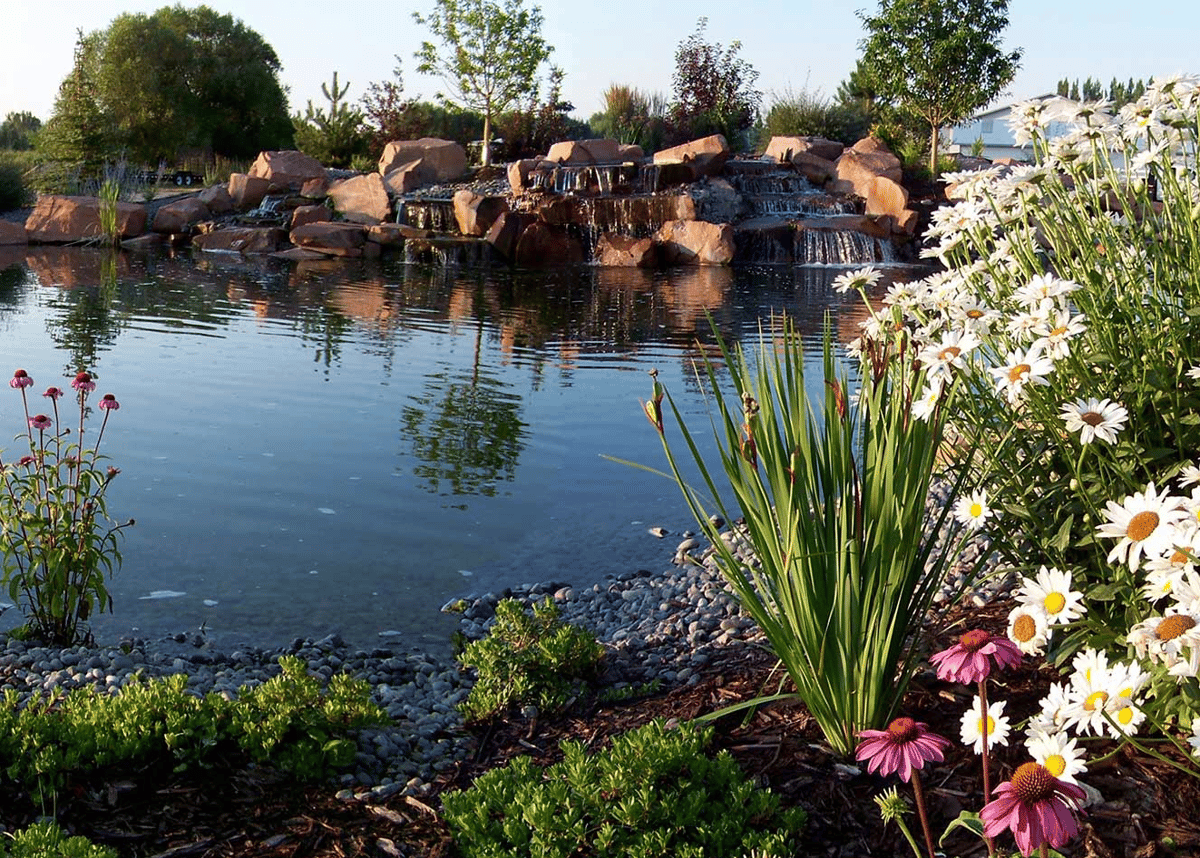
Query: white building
[{"x": 991, "y": 128}]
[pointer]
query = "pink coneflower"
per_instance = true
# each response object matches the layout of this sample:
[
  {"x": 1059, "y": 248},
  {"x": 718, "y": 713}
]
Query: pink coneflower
[
  {"x": 109, "y": 402},
  {"x": 20, "y": 379},
  {"x": 1036, "y": 806},
  {"x": 83, "y": 382},
  {"x": 970, "y": 660},
  {"x": 40, "y": 422},
  {"x": 904, "y": 747},
  {"x": 53, "y": 392}
]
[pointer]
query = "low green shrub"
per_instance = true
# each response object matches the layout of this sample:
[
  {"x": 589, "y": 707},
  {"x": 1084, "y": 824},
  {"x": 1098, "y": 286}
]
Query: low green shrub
[
  {"x": 654, "y": 792},
  {"x": 15, "y": 192},
  {"x": 805, "y": 113},
  {"x": 47, "y": 840},
  {"x": 527, "y": 659}
]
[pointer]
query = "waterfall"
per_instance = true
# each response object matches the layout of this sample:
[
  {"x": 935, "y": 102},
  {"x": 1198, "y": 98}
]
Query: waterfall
[
  {"x": 840, "y": 247},
  {"x": 433, "y": 215}
]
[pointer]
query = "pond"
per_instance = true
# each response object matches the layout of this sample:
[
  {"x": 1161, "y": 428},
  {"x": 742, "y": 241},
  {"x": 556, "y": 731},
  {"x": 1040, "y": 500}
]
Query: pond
[{"x": 345, "y": 446}]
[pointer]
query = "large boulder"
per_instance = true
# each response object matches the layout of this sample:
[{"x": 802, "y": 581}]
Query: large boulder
[
  {"x": 12, "y": 233},
  {"x": 394, "y": 234},
  {"x": 601, "y": 150},
  {"x": 315, "y": 213},
  {"x": 58, "y": 219},
  {"x": 623, "y": 251},
  {"x": 816, "y": 169},
  {"x": 506, "y": 232},
  {"x": 475, "y": 213},
  {"x": 705, "y": 156},
  {"x": 717, "y": 201},
  {"x": 410, "y": 176},
  {"x": 362, "y": 199},
  {"x": 630, "y": 152},
  {"x": 287, "y": 168},
  {"x": 696, "y": 242},
  {"x": 332, "y": 239},
  {"x": 860, "y": 168},
  {"x": 247, "y": 192},
  {"x": 518, "y": 173},
  {"x": 217, "y": 199},
  {"x": 447, "y": 159},
  {"x": 885, "y": 197},
  {"x": 180, "y": 216},
  {"x": 241, "y": 239},
  {"x": 542, "y": 245},
  {"x": 783, "y": 149}
]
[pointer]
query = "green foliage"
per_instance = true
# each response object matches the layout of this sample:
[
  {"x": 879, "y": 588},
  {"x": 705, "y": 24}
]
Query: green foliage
[
  {"x": 632, "y": 116},
  {"x": 289, "y": 722},
  {"x": 1118, "y": 94},
  {"x": 80, "y": 136},
  {"x": 56, "y": 539},
  {"x": 833, "y": 499},
  {"x": 654, "y": 792},
  {"x": 18, "y": 131},
  {"x": 336, "y": 136},
  {"x": 533, "y": 129},
  {"x": 47, "y": 840},
  {"x": 714, "y": 90},
  {"x": 805, "y": 114},
  {"x": 939, "y": 60},
  {"x": 490, "y": 55},
  {"x": 15, "y": 192},
  {"x": 527, "y": 659}
]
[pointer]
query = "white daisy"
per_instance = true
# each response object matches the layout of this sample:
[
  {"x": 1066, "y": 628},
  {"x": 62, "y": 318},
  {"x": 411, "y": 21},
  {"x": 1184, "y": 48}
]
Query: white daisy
[
  {"x": 1055, "y": 333},
  {"x": 1172, "y": 640},
  {"x": 1186, "y": 592},
  {"x": 1059, "y": 753},
  {"x": 1094, "y": 418},
  {"x": 1023, "y": 368},
  {"x": 860, "y": 279},
  {"x": 1189, "y": 476},
  {"x": 949, "y": 352},
  {"x": 1143, "y": 524},
  {"x": 1194, "y": 739},
  {"x": 972, "y": 726},
  {"x": 1028, "y": 629},
  {"x": 1051, "y": 717},
  {"x": 1042, "y": 287},
  {"x": 923, "y": 408},
  {"x": 973, "y": 509},
  {"x": 1194, "y": 374},
  {"x": 1050, "y": 592}
]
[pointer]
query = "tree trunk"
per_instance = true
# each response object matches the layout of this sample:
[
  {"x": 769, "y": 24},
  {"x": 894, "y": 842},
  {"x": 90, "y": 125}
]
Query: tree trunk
[
  {"x": 485, "y": 157},
  {"x": 934, "y": 134}
]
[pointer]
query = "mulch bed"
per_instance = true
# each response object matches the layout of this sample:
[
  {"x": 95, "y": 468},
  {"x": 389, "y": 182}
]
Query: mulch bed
[{"x": 236, "y": 811}]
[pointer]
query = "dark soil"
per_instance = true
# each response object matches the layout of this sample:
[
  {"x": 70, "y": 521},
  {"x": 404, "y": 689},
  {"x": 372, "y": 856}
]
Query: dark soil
[{"x": 236, "y": 811}]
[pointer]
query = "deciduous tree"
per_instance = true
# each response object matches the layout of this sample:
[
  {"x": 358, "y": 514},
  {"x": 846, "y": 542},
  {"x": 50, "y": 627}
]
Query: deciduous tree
[
  {"x": 490, "y": 54},
  {"x": 714, "y": 89},
  {"x": 940, "y": 60}
]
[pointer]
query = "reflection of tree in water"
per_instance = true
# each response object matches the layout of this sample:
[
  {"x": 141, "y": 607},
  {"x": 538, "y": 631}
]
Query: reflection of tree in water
[
  {"x": 325, "y": 328},
  {"x": 85, "y": 323},
  {"x": 12, "y": 279},
  {"x": 466, "y": 432}
]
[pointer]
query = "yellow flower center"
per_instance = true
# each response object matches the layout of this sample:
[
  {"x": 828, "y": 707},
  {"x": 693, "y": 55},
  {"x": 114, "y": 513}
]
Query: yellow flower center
[
  {"x": 974, "y": 314},
  {"x": 1142, "y": 525},
  {"x": 1094, "y": 700},
  {"x": 991, "y": 726},
  {"x": 1018, "y": 372},
  {"x": 1054, "y": 602},
  {"x": 1092, "y": 418},
  {"x": 1174, "y": 626},
  {"x": 1059, "y": 331},
  {"x": 1125, "y": 716},
  {"x": 949, "y": 353},
  {"x": 1032, "y": 783},
  {"x": 1055, "y": 765},
  {"x": 976, "y": 509},
  {"x": 1024, "y": 628}
]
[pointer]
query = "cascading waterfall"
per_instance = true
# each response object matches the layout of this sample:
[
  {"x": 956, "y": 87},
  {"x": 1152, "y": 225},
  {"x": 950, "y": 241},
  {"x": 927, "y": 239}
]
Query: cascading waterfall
[
  {"x": 433, "y": 215},
  {"x": 840, "y": 247}
]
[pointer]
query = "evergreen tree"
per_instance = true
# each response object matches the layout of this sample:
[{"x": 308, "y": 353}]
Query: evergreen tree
[
  {"x": 336, "y": 136},
  {"x": 79, "y": 135}
]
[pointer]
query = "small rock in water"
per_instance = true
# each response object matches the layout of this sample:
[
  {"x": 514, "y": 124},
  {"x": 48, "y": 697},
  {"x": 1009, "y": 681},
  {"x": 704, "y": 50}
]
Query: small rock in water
[
  {"x": 687, "y": 545},
  {"x": 660, "y": 532},
  {"x": 716, "y": 521}
]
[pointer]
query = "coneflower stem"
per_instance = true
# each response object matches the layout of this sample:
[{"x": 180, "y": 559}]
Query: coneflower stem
[{"x": 919, "y": 795}]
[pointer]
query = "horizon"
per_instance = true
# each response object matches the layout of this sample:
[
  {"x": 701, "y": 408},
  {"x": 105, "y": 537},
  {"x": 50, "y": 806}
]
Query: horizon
[{"x": 1074, "y": 40}]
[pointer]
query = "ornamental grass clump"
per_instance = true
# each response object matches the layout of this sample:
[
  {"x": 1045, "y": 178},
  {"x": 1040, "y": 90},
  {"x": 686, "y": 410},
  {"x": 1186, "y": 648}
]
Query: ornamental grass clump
[
  {"x": 833, "y": 491},
  {"x": 56, "y": 539}
]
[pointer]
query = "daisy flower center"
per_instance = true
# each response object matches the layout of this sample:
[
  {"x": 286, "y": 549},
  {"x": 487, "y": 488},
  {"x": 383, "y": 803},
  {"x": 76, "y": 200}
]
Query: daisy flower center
[
  {"x": 1018, "y": 372},
  {"x": 991, "y": 726},
  {"x": 1059, "y": 331},
  {"x": 1179, "y": 558},
  {"x": 1032, "y": 783},
  {"x": 1054, "y": 602},
  {"x": 1142, "y": 525},
  {"x": 1055, "y": 764},
  {"x": 1024, "y": 628},
  {"x": 1091, "y": 418},
  {"x": 974, "y": 314},
  {"x": 1125, "y": 716},
  {"x": 903, "y": 730},
  {"x": 1094, "y": 700},
  {"x": 976, "y": 509},
  {"x": 974, "y": 640},
  {"x": 949, "y": 353},
  {"x": 1174, "y": 626}
]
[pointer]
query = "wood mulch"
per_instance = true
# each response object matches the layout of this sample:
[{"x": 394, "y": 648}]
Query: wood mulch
[{"x": 236, "y": 811}]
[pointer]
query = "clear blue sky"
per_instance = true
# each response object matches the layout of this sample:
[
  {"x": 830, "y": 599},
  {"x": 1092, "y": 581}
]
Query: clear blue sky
[{"x": 794, "y": 44}]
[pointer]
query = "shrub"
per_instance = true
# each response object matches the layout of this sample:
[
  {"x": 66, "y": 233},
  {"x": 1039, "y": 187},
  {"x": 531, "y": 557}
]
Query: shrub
[
  {"x": 527, "y": 659},
  {"x": 809, "y": 114},
  {"x": 47, "y": 840},
  {"x": 15, "y": 192},
  {"x": 654, "y": 792}
]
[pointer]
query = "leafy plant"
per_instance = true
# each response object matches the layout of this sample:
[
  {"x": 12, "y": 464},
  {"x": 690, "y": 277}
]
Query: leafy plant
[
  {"x": 57, "y": 541},
  {"x": 47, "y": 840},
  {"x": 527, "y": 659},
  {"x": 806, "y": 113},
  {"x": 714, "y": 90},
  {"x": 833, "y": 496},
  {"x": 654, "y": 792},
  {"x": 15, "y": 192}
]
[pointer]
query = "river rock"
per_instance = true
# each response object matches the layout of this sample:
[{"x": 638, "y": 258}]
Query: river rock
[
  {"x": 542, "y": 245},
  {"x": 717, "y": 201},
  {"x": 816, "y": 169},
  {"x": 287, "y": 169},
  {"x": 315, "y": 213},
  {"x": 784, "y": 149},
  {"x": 332, "y": 239},
  {"x": 695, "y": 242},
  {"x": 394, "y": 234},
  {"x": 409, "y": 176},
  {"x": 447, "y": 158},
  {"x": 623, "y": 251},
  {"x": 217, "y": 199},
  {"x": 506, "y": 231},
  {"x": 518, "y": 173},
  {"x": 180, "y": 216},
  {"x": 362, "y": 199},
  {"x": 241, "y": 239},
  {"x": 60, "y": 219}
]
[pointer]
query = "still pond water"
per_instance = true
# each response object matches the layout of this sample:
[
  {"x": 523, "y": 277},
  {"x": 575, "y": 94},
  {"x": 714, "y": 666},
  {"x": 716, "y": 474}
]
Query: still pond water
[{"x": 345, "y": 446}]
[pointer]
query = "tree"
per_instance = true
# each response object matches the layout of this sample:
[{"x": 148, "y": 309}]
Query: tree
[
  {"x": 939, "y": 59},
  {"x": 79, "y": 136},
  {"x": 491, "y": 55},
  {"x": 386, "y": 110},
  {"x": 334, "y": 137},
  {"x": 19, "y": 131},
  {"x": 714, "y": 89}
]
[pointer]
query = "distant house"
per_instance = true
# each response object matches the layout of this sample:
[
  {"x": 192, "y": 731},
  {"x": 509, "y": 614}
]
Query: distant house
[{"x": 992, "y": 128}]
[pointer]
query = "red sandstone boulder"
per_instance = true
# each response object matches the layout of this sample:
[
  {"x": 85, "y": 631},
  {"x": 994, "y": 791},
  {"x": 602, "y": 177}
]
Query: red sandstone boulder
[
  {"x": 542, "y": 245},
  {"x": 247, "y": 192},
  {"x": 394, "y": 234},
  {"x": 287, "y": 169},
  {"x": 705, "y": 156},
  {"x": 362, "y": 199},
  {"x": 408, "y": 177},
  {"x": 58, "y": 219},
  {"x": 506, "y": 232},
  {"x": 315, "y": 189},
  {"x": 814, "y": 168},
  {"x": 298, "y": 254},
  {"x": 332, "y": 239},
  {"x": 12, "y": 233},
  {"x": 241, "y": 239},
  {"x": 476, "y": 213},
  {"x": 630, "y": 152},
  {"x": 308, "y": 214},
  {"x": 217, "y": 199},
  {"x": 180, "y": 216},
  {"x": 601, "y": 150},
  {"x": 860, "y": 168},
  {"x": 886, "y": 197},
  {"x": 518, "y": 173},
  {"x": 695, "y": 242},
  {"x": 624, "y": 251},
  {"x": 783, "y": 149},
  {"x": 447, "y": 159}
]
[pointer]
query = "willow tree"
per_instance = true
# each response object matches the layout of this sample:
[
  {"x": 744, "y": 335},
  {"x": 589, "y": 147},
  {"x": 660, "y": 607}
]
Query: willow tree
[
  {"x": 489, "y": 57},
  {"x": 939, "y": 60}
]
